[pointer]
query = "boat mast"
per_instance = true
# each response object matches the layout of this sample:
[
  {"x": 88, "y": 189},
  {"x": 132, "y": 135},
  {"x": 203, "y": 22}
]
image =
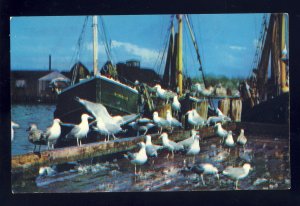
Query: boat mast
[
  {"x": 284, "y": 87},
  {"x": 179, "y": 52},
  {"x": 95, "y": 45}
]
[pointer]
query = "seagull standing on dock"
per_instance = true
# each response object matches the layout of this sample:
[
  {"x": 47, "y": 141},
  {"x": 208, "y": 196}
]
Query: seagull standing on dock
[
  {"x": 142, "y": 125},
  {"x": 189, "y": 141},
  {"x": 170, "y": 145},
  {"x": 195, "y": 119},
  {"x": 194, "y": 148},
  {"x": 81, "y": 130},
  {"x": 138, "y": 158},
  {"x": 220, "y": 132},
  {"x": 205, "y": 169},
  {"x": 214, "y": 120},
  {"x": 176, "y": 106},
  {"x": 53, "y": 133},
  {"x": 172, "y": 121},
  {"x": 160, "y": 122},
  {"x": 242, "y": 140},
  {"x": 12, "y": 126},
  {"x": 229, "y": 142},
  {"x": 151, "y": 149},
  {"x": 106, "y": 124},
  {"x": 224, "y": 117},
  {"x": 35, "y": 136},
  {"x": 163, "y": 94},
  {"x": 237, "y": 173}
]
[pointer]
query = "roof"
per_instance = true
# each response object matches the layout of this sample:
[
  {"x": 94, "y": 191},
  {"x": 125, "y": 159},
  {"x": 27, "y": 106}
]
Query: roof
[{"x": 52, "y": 75}]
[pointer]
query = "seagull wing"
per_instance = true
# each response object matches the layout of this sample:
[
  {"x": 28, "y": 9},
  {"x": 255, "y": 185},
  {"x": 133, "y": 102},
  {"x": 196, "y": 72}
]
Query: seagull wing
[
  {"x": 187, "y": 142},
  {"x": 176, "y": 146},
  {"x": 73, "y": 132},
  {"x": 129, "y": 118}
]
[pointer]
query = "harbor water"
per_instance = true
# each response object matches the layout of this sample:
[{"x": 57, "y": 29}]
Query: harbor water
[{"x": 268, "y": 156}]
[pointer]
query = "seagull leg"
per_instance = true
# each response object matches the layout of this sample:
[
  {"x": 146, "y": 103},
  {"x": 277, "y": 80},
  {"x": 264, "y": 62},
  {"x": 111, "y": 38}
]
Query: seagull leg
[
  {"x": 172, "y": 154},
  {"x": 77, "y": 142},
  {"x": 145, "y": 132},
  {"x": 114, "y": 137},
  {"x": 48, "y": 145},
  {"x": 167, "y": 156},
  {"x": 202, "y": 179},
  {"x": 236, "y": 184},
  {"x": 34, "y": 148},
  {"x": 135, "y": 169}
]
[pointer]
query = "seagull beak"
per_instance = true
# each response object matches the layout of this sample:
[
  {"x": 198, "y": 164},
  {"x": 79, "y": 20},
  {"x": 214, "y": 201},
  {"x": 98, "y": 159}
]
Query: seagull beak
[{"x": 90, "y": 117}]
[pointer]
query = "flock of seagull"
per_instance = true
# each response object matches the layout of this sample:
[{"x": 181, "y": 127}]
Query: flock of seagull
[{"x": 109, "y": 125}]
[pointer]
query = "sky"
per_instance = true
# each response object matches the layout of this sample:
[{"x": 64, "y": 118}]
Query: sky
[{"x": 227, "y": 42}]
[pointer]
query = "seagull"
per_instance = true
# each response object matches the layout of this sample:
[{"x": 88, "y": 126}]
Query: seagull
[
  {"x": 221, "y": 156},
  {"x": 213, "y": 120},
  {"x": 229, "y": 142},
  {"x": 160, "y": 122},
  {"x": 189, "y": 141},
  {"x": 81, "y": 130},
  {"x": 151, "y": 149},
  {"x": 170, "y": 145},
  {"x": 220, "y": 132},
  {"x": 242, "y": 140},
  {"x": 172, "y": 121},
  {"x": 138, "y": 158},
  {"x": 142, "y": 125},
  {"x": 194, "y": 148},
  {"x": 176, "y": 106},
  {"x": 53, "y": 133},
  {"x": 107, "y": 128},
  {"x": 224, "y": 117},
  {"x": 237, "y": 173},
  {"x": 35, "y": 136},
  {"x": 207, "y": 92},
  {"x": 205, "y": 168},
  {"x": 195, "y": 119},
  {"x": 12, "y": 126},
  {"x": 163, "y": 94},
  {"x": 106, "y": 124}
]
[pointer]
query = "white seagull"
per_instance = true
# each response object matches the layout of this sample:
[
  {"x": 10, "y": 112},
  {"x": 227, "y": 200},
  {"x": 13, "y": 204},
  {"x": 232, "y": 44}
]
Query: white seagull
[
  {"x": 151, "y": 149},
  {"x": 195, "y": 119},
  {"x": 169, "y": 144},
  {"x": 163, "y": 94},
  {"x": 81, "y": 130},
  {"x": 224, "y": 117},
  {"x": 142, "y": 125},
  {"x": 242, "y": 140},
  {"x": 138, "y": 158},
  {"x": 194, "y": 148},
  {"x": 205, "y": 169},
  {"x": 189, "y": 141},
  {"x": 220, "y": 132},
  {"x": 160, "y": 122},
  {"x": 213, "y": 120},
  {"x": 229, "y": 142},
  {"x": 237, "y": 173},
  {"x": 106, "y": 124},
  {"x": 53, "y": 133},
  {"x": 172, "y": 121},
  {"x": 176, "y": 106},
  {"x": 12, "y": 126}
]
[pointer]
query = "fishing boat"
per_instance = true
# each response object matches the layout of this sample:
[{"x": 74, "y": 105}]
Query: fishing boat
[
  {"x": 266, "y": 92},
  {"x": 117, "y": 97}
]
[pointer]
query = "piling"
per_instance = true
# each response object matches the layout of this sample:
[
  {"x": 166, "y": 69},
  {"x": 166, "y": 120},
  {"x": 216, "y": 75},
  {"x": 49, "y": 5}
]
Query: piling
[
  {"x": 224, "y": 106},
  {"x": 236, "y": 110},
  {"x": 201, "y": 108}
]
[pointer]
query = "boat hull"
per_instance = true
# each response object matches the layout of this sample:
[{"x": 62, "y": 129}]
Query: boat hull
[
  {"x": 274, "y": 110},
  {"x": 119, "y": 99}
]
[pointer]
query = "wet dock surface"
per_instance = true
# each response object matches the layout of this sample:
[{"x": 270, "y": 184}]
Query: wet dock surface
[{"x": 268, "y": 156}]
